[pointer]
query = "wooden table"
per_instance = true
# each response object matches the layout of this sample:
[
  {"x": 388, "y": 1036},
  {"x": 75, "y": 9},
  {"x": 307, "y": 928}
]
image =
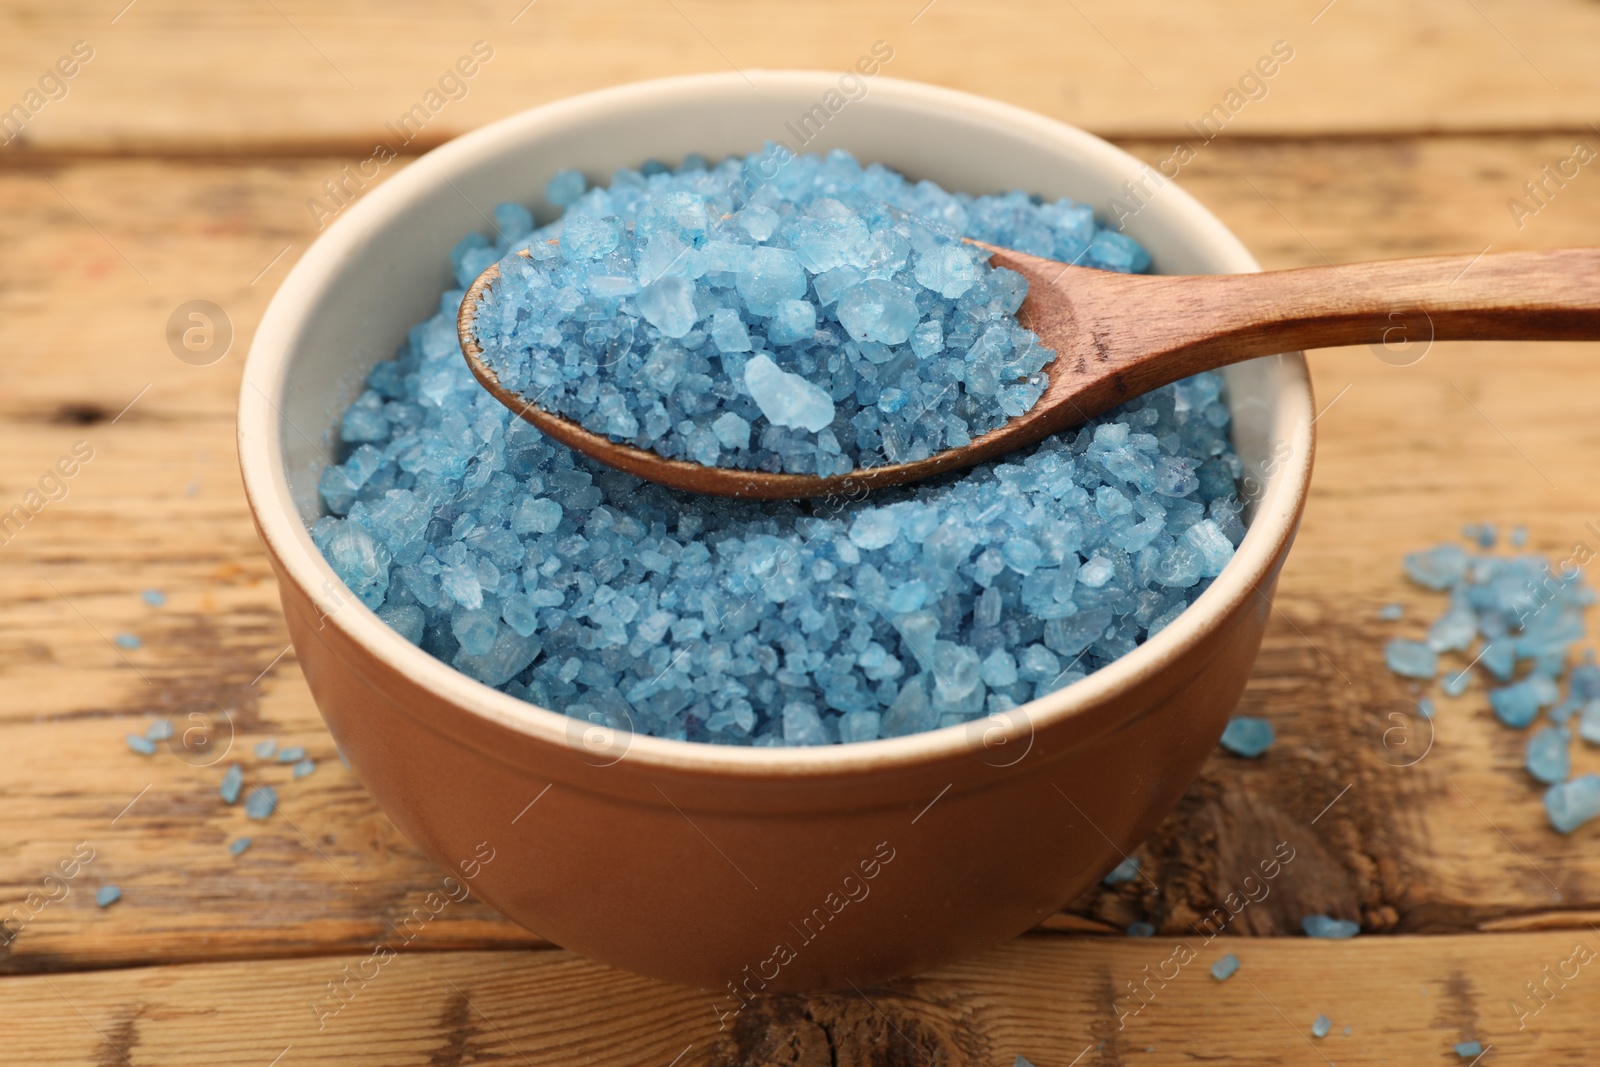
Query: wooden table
[{"x": 179, "y": 165}]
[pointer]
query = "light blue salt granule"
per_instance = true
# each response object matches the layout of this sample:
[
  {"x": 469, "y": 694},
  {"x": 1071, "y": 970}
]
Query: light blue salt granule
[
  {"x": 1549, "y": 757},
  {"x": 232, "y": 784},
  {"x": 159, "y": 730},
  {"x": 1391, "y": 612},
  {"x": 154, "y": 597},
  {"x": 1456, "y": 683},
  {"x": 1516, "y": 705},
  {"x": 1321, "y": 1026},
  {"x": 1411, "y": 659},
  {"x": 107, "y": 895},
  {"x": 1140, "y": 929},
  {"x": 292, "y": 754},
  {"x": 1425, "y": 707},
  {"x": 582, "y": 589},
  {"x": 1519, "y": 536},
  {"x": 1572, "y": 803},
  {"x": 265, "y": 749},
  {"x": 1021, "y": 1061},
  {"x": 142, "y": 745},
  {"x": 1224, "y": 968},
  {"x": 1248, "y": 736},
  {"x": 304, "y": 767},
  {"x": 786, "y": 399},
  {"x": 1437, "y": 568},
  {"x": 1322, "y": 926},
  {"x": 238, "y": 845},
  {"x": 564, "y": 188},
  {"x": 1589, "y": 722},
  {"x": 1126, "y": 871},
  {"x": 261, "y": 802},
  {"x": 127, "y": 641},
  {"x": 1469, "y": 1049}
]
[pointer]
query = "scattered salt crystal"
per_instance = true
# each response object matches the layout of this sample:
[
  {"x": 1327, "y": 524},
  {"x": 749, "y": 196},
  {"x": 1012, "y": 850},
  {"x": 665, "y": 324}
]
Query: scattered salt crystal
[
  {"x": 1126, "y": 871},
  {"x": 1412, "y": 659},
  {"x": 1247, "y": 736},
  {"x": 154, "y": 597},
  {"x": 1224, "y": 968},
  {"x": 127, "y": 641},
  {"x": 1321, "y": 1026},
  {"x": 261, "y": 802},
  {"x": 1437, "y": 568},
  {"x": 107, "y": 895},
  {"x": 1468, "y": 1050},
  {"x": 1572, "y": 803},
  {"x": 304, "y": 767},
  {"x": 142, "y": 745},
  {"x": 265, "y": 749},
  {"x": 1391, "y": 612},
  {"x": 232, "y": 784},
  {"x": 160, "y": 730},
  {"x": 238, "y": 845},
  {"x": 1516, "y": 704},
  {"x": 1549, "y": 757},
  {"x": 1141, "y": 929},
  {"x": 1322, "y": 926},
  {"x": 292, "y": 754}
]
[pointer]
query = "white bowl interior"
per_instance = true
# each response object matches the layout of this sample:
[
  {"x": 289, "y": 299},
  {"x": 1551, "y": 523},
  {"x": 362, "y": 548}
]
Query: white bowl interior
[{"x": 380, "y": 267}]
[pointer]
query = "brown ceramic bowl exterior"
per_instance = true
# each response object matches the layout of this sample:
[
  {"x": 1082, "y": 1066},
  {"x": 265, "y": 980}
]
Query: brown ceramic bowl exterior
[{"x": 748, "y": 870}]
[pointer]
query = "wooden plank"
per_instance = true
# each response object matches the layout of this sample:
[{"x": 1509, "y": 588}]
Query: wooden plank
[
  {"x": 296, "y": 72},
  {"x": 1404, "y": 459},
  {"x": 1056, "y": 1000}
]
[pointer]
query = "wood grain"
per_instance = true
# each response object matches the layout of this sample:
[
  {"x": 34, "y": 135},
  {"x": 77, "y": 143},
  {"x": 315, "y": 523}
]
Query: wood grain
[
  {"x": 294, "y": 73},
  {"x": 1407, "y": 454},
  {"x": 1055, "y": 1000}
]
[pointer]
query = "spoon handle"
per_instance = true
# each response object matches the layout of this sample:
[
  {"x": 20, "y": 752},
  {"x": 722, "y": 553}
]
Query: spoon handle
[{"x": 1521, "y": 296}]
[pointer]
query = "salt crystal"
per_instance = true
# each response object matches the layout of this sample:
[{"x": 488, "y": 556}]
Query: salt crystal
[
  {"x": 1411, "y": 659},
  {"x": 1572, "y": 803},
  {"x": 1321, "y": 1026},
  {"x": 107, "y": 895},
  {"x": 1321, "y": 926},
  {"x": 1247, "y": 736},
  {"x": 786, "y": 399},
  {"x": 1224, "y": 968}
]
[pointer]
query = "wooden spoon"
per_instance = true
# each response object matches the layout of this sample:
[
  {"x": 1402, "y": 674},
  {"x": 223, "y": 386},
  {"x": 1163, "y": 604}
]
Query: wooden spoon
[{"x": 1119, "y": 335}]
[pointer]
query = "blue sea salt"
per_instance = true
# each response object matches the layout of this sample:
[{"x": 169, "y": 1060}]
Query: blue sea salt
[
  {"x": 1411, "y": 659},
  {"x": 1437, "y": 568},
  {"x": 292, "y": 754},
  {"x": 656, "y": 306},
  {"x": 1224, "y": 968},
  {"x": 1468, "y": 1050},
  {"x": 1247, "y": 736},
  {"x": 304, "y": 767},
  {"x": 238, "y": 845},
  {"x": 261, "y": 802},
  {"x": 1140, "y": 929},
  {"x": 142, "y": 745},
  {"x": 1572, "y": 803},
  {"x": 1321, "y": 1026},
  {"x": 1126, "y": 871},
  {"x": 1321, "y": 926},
  {"x": 265, "y": 748},
  {"x": 232, "y": 783},
  {"x": 1549, "y": 757},
  {"x": 128, "y": 641},
  {"x": 786, "y": 399},
  {"x": 107, "y": 895},
  {"x": 579, "y": 588},
  {"x": 1516, "y": 705},
  {"x": 1391, "y": 612},
  {"x": 159, "y": 730},
  {"x": 154, "y": 597}
]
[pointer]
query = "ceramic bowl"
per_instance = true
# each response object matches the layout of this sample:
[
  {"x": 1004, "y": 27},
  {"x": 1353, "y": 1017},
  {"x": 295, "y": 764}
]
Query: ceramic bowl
[{"x": 747, "y": 870}]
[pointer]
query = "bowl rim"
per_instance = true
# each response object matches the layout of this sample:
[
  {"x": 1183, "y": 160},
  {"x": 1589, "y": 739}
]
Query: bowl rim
[{"x": 278, "y": 522}]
